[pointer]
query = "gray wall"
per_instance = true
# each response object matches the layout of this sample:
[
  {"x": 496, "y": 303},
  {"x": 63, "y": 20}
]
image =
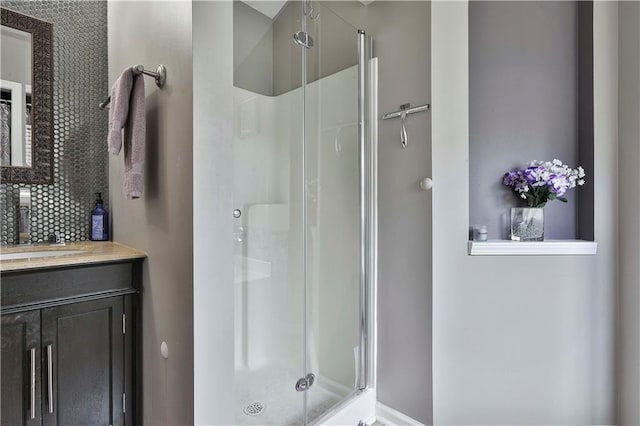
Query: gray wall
[
  {"x": 335, "y": 46},
  {"x": 523, "y": 105},
  {"x": 160, "y": 222},
  {"x": 629, "y": 176},
  {"x": 252, "y": 49},
  {"x": 520, "y": 339},
  {"x": 401, "y": 41},
  {"x": 80, "y": 127},
  {"x": 266, "y": 59}
]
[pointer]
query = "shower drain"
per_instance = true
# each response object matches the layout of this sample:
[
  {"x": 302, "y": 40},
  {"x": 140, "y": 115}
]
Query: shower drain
[{"x": 254, "y": 409}]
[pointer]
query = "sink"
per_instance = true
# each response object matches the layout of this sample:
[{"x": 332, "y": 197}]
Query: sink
[{"x": 37, "y": 254}]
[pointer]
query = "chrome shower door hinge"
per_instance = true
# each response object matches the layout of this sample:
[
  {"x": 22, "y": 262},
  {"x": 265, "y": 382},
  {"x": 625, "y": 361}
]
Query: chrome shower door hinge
[
  {"x": 303, "y": 39},
  {"x": 305, "y": 383}
]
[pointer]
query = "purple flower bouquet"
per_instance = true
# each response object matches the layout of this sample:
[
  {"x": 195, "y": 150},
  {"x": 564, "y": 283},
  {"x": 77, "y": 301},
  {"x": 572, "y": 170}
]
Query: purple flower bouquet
[
  {"x": 544, "y": 181},
  {"x": 539, "y": 183}
]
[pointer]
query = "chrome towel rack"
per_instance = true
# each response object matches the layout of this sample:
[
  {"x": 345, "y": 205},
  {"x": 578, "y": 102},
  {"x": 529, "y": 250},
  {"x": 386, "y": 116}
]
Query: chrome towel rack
[
  {"x": 160, "y": 76},
  {"x": 405, "y": 109}
]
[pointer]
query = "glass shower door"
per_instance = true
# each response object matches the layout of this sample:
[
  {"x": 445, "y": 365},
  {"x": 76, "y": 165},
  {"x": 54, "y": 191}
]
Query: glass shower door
[
  {"x": 268, "y": 221},
  {"x": 298, "y": 212},
  {"x": 334, "y": 217}
]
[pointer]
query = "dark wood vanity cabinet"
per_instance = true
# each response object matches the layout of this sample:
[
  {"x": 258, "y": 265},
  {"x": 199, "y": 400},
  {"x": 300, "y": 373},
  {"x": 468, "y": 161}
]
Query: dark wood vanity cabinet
[
  {"x": 83, "y": 352},
  {"x": 73, "y": 359},
  {"x": 20, "y": 364}
]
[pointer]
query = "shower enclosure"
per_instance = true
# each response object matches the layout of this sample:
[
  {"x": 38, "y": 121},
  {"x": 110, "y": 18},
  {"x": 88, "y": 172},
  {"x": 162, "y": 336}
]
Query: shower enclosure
[{"x": 304, "y": 209}]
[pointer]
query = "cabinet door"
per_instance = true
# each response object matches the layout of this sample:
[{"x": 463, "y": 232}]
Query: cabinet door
[
  {"x": 83, "y": 357},
  {"x": 20, "y": 372}
]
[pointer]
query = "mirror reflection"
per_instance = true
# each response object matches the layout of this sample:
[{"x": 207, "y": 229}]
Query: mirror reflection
[{"x": 15, "y": 101}]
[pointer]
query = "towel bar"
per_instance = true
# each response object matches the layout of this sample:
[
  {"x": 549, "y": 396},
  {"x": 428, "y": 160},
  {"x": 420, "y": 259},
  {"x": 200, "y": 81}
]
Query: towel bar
[{"x": 160, "y": 76}]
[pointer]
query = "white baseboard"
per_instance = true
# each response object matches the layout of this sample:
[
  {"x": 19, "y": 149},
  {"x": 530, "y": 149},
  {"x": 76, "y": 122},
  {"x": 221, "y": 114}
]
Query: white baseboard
[{"x": 390, "y": 417}]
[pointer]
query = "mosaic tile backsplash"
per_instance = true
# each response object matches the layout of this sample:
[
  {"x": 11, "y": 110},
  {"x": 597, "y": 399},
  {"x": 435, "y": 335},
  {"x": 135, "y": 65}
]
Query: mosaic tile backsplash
[{"x": 80, "y": 160}]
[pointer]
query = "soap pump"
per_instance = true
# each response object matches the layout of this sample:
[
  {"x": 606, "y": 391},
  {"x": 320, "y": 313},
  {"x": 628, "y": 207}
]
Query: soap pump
[{"x": 99, "y": 221}]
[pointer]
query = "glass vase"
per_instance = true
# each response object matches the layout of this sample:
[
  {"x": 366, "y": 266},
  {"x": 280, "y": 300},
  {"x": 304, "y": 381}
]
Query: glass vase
[{"x": 527, "y": 224}]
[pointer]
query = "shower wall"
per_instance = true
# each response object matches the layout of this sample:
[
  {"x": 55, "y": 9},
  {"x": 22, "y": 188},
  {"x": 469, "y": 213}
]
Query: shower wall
[
  {"x": 261, "y": 235},
  {"x": 269, "y": 280}
]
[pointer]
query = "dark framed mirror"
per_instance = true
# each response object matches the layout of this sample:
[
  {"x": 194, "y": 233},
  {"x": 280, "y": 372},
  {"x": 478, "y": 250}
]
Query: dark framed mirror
[{"x": 26, "y": 104}]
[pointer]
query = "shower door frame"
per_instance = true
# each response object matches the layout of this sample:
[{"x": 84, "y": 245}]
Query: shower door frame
[{"x": 368, "y": 215}]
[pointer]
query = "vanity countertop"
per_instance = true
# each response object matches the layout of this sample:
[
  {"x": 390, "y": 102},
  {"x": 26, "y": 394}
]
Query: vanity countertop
[{"x": 90, "y": 252}]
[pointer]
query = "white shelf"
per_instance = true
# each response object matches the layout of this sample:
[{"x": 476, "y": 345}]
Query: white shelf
[{"x": 532, "y": 248}]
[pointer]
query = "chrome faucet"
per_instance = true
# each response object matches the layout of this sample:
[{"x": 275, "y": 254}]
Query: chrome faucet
[
  {"x": 24, "y": 223},
  {"x": 56, "y": 239}
]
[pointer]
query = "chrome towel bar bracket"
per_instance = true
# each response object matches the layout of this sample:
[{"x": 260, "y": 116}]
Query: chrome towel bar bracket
[
  {"x": 160, "y": 76},
  {"x": 405, "y": 109}
]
